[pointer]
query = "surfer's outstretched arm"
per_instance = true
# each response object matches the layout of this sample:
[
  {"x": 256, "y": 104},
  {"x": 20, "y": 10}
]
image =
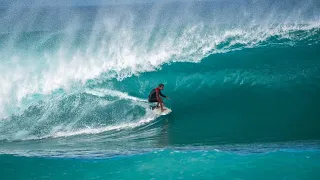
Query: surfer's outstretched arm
[{"x": 163, "y": 95}]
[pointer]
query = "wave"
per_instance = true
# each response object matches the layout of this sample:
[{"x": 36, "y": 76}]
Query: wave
[
  {"x": 29, "y": 74},
  {"x": 40, "y": 55},
  {"x": 91, "y": 72}
]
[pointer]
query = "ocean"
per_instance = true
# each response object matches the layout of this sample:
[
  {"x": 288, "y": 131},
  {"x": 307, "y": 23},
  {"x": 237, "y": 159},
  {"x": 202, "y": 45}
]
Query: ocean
[{"x": 243, "y": 77}]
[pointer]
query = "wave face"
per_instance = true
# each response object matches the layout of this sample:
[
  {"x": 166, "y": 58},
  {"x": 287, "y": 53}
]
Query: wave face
[{"x": 74, "y": 79}]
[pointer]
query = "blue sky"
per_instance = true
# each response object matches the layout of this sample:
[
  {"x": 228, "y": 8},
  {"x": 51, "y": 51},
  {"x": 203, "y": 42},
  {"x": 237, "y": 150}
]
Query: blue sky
[
  {"x": 65, "y": 2},
  {"x": 4, "y": 3}
]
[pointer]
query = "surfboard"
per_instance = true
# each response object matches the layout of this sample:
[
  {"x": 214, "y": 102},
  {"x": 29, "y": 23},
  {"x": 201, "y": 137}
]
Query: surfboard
[{"x": 158, "y": 111}]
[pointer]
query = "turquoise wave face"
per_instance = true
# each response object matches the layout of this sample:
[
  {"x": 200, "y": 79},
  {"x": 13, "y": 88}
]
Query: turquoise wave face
[{"x": 241, "y": 96}]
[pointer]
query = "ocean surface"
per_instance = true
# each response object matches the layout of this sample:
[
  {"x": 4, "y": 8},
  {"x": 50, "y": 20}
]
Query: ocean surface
[{"x": 243, "y": 77}]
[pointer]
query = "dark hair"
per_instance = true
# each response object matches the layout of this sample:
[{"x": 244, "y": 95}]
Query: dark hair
[{"x": 161, "y": 85}]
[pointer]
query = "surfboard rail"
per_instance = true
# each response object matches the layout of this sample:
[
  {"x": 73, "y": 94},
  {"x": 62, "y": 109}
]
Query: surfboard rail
[{"x": 165, "y": 112}]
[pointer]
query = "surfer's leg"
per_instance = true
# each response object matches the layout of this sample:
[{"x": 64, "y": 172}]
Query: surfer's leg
[{"x": 161, "y": 105}]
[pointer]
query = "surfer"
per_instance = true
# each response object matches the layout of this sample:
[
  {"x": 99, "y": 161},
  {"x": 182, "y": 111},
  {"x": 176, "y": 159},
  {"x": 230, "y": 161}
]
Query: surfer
[{"x": 154, "y": 96}]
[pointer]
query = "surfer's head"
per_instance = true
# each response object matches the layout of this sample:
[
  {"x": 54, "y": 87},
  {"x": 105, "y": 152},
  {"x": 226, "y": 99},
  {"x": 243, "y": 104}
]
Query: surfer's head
[{"x": 161, "y": 86}]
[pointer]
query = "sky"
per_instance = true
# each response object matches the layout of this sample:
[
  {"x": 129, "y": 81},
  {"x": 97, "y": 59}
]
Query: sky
[{"x": 6, "y": 3}]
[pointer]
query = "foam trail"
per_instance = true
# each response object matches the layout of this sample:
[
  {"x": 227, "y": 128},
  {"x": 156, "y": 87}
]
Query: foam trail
[
  {"x": 108, "y": 92},
  {"x": 102, "y": 129}
]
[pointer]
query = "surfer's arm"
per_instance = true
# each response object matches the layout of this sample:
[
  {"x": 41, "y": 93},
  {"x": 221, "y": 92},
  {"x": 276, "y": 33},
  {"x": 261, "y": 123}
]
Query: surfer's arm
[{"x": 162, "y": 95}]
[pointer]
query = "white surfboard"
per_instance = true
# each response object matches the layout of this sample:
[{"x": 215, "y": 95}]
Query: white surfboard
[{"x": 165, "y": 112}]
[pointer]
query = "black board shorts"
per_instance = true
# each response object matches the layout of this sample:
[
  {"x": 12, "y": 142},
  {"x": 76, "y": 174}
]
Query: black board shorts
[{"x": 153, "y": 100}]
